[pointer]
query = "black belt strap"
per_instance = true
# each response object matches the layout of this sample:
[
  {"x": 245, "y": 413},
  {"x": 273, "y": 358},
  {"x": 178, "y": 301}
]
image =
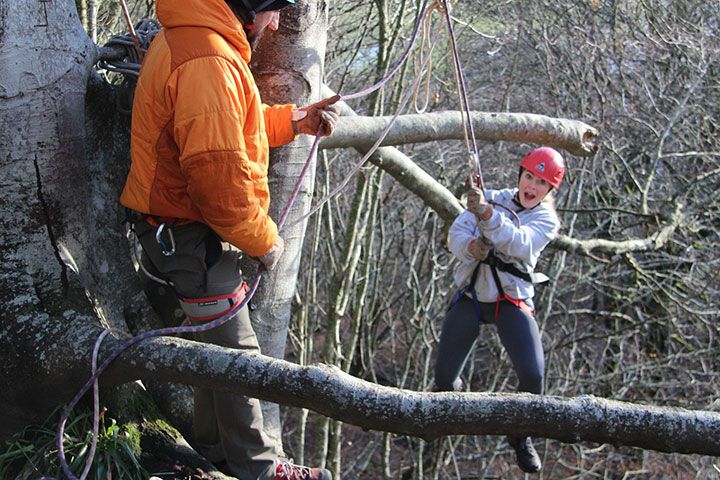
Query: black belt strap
[{"x": 496, "y": 264}]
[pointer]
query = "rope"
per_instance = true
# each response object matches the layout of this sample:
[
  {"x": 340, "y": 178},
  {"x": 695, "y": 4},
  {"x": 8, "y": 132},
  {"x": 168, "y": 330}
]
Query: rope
[
  {"x": 135, "y": 45},
  {"x": 468, "y": 129},
  {"x": 466, "y": 115},
  {"x": 428, "y": 43},
  {"x": 126, "y": 14},
  {"x": 393, "y": 70},
  {"x": 140, "y": 40},
  {"x": 372, "y": 149}
]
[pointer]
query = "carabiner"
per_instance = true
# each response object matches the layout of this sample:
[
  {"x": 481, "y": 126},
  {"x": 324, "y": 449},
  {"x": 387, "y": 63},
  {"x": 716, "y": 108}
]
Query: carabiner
[{"x": 163, "y": 246}]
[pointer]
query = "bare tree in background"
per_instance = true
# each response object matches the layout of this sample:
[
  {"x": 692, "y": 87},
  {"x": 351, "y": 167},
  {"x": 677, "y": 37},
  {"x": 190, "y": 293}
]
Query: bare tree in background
[{"x": 629, "y": 320}]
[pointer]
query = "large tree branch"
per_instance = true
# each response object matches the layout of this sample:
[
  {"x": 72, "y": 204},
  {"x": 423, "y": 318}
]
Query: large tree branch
[
  {"x": 329, "y": 391},
  {"x": 571, "y": 135}
]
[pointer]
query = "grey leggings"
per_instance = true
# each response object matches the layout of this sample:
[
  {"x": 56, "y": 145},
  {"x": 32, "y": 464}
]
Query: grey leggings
[{"x": 518, "y": 332}]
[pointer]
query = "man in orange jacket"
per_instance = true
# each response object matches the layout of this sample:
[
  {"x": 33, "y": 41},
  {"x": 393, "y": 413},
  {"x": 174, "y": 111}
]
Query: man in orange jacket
[{"x": 198, "y": 194}]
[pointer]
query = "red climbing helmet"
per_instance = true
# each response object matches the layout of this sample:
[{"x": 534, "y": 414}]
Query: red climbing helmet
[{"x": 546, "y": 163}]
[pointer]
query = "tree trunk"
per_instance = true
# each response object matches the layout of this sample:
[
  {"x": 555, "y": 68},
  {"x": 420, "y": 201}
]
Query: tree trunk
[
  {"x": 288, "y": 67},
  {"x": 62, "y": 277}
]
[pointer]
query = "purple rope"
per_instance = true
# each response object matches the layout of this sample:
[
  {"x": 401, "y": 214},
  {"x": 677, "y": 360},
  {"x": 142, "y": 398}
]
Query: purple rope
[
  {"x": 254, "y": 284},
  {"x": 175, "y": 330},
  {"x": 256, "y": 281}
]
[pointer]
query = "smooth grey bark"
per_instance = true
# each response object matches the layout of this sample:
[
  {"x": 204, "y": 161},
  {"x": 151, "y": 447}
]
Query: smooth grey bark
[
  {"x": 57, "y": 250},
  {"x": 573, "y": 136},
  {"x": 329, "y": 391},
  {"x": 288, "y": 68}
]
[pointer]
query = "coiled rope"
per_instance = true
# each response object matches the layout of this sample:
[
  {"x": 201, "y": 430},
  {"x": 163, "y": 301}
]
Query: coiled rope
[{"x": 134, "y": 45}]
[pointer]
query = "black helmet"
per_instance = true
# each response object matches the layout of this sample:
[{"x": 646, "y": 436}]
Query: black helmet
[{"x": 248, "y": 8}]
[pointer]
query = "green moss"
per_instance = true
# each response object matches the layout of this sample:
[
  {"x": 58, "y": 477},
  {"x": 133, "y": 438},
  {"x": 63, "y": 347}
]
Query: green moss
[
  {"x": 132, "y": 430},
  {"x": 161, "y": 427},
  {"x": 147, "y": 417}
]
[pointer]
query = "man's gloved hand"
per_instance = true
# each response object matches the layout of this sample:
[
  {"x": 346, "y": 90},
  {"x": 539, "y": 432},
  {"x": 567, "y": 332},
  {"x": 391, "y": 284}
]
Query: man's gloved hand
[
  {"x": 322, "y": 116},
  {"x": 479, "y": 248},
  {"x": 477, "y": 203},
  {"x": 272, "y": 257}
]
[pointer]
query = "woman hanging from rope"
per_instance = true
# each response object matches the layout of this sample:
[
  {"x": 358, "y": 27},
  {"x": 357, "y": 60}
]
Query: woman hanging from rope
[{"x": 497, "y": 258}]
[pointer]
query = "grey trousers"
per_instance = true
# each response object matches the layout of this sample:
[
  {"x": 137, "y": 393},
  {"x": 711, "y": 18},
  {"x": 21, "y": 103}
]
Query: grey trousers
[
  {"x": 518, "y": 333},
  {"x": 226, "y": 427}
]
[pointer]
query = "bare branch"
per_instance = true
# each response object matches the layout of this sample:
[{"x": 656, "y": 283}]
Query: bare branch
[
  {"x": 653, "y": 242},
  {"x": 407, "y": 172},
  {"x": 440, "y": 199},
  {"x": 329, "y": 391},
  {"x": 571, "y": 135}
]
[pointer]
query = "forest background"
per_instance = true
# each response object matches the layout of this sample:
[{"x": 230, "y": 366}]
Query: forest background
[{"x": 632, "y": 307}]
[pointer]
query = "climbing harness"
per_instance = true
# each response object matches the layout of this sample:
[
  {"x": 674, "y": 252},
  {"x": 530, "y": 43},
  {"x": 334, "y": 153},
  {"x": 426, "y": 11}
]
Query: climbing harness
[
  {"x": 210, "y": 308},
  {"x": 496, "y": 264}
]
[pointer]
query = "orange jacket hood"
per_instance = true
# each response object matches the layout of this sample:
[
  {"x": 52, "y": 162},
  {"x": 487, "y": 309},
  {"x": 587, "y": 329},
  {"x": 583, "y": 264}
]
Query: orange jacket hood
[{"x": 213, "y": 14}]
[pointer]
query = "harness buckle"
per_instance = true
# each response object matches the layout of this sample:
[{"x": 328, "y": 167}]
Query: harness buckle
[{"x": 163, "y": 246}]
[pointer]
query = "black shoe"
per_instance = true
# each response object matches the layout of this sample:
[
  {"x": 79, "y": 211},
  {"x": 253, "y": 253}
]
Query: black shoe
[{"x": 527, "y": 457}]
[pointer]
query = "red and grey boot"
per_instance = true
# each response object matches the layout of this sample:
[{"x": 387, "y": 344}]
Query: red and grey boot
[{"x": 287, "y": 470}]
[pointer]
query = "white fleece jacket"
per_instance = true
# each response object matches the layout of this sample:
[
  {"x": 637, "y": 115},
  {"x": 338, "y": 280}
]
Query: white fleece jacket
[{"x": 520, "y": 246}]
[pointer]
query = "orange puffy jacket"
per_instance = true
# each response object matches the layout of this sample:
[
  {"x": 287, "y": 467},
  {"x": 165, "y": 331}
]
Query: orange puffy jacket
[{"x": 200, "y": 134}]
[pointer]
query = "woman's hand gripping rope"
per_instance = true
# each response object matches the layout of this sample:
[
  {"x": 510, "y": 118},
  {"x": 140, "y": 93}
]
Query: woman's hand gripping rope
[{"x": 476, "y": 202}]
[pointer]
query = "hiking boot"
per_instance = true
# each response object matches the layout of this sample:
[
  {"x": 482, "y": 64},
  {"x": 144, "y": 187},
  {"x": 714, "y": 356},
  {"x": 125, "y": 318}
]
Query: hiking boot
[
  {"x": 287, "y": 470},
  {"x": 527, "y": 457}
]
